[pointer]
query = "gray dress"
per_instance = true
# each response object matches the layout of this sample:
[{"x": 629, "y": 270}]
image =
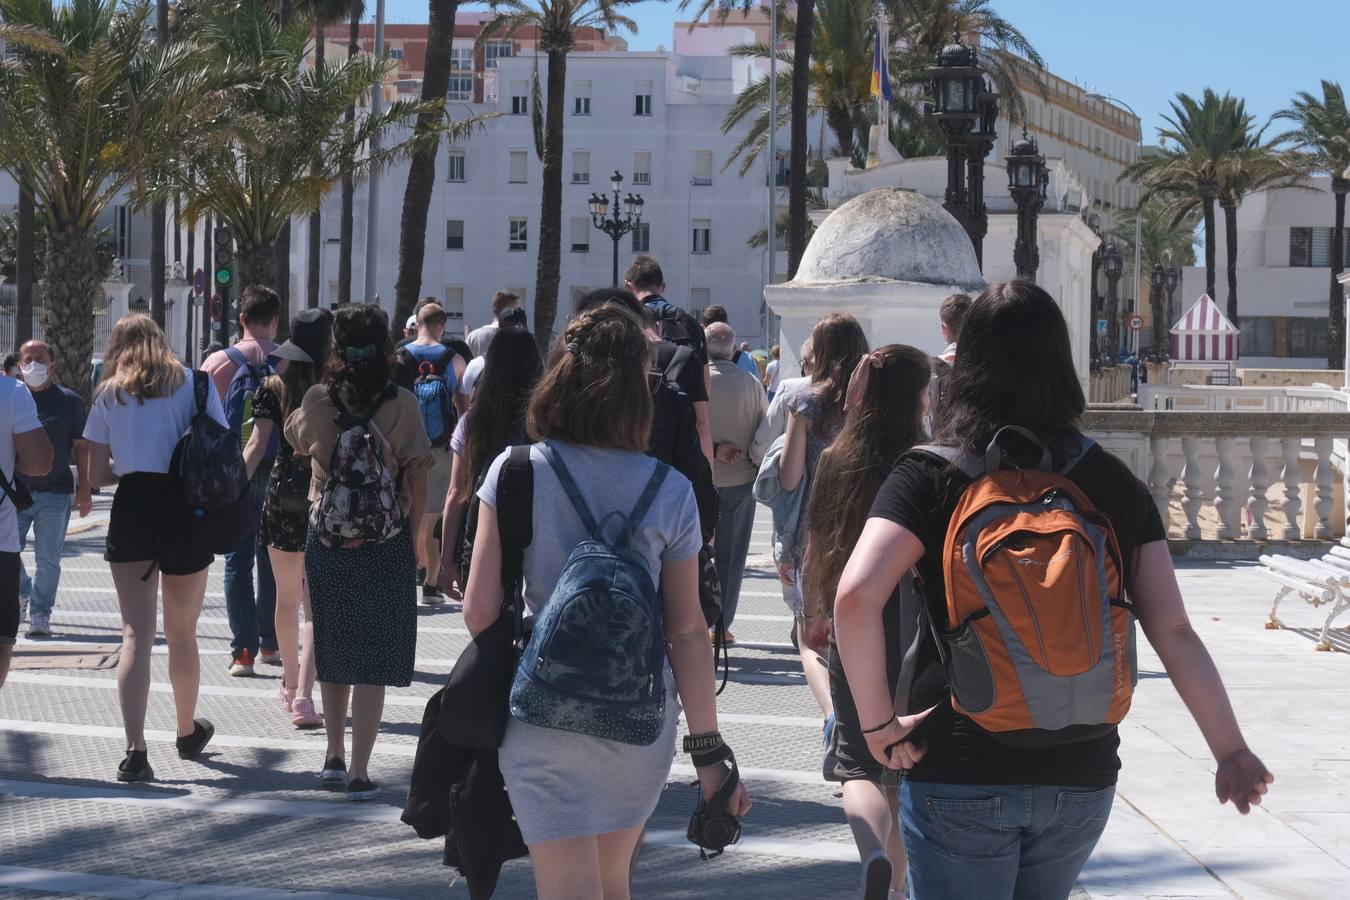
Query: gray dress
[{"x": 563, "y": 784}]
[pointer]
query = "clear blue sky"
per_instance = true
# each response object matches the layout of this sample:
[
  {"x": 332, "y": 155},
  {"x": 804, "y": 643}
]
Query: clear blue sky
[{"x": 1143, "y": 51}]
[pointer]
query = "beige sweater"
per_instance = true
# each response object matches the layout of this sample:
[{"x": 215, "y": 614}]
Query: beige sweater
[{"x": 736, "y": 405}]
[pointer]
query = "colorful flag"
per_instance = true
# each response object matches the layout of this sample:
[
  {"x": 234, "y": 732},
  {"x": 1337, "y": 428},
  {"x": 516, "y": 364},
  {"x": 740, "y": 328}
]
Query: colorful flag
[{"x": 881, "y": 78}]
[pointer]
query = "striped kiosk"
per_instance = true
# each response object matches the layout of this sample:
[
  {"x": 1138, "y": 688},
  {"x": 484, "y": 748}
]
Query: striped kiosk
[{"x": 1205, "y": 336}]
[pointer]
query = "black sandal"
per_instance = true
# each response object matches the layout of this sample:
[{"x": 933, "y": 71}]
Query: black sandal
[{"x": 190, "y": 747}]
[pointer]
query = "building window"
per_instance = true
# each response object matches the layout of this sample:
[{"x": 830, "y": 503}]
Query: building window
[
  {"x": 1307, "y": 337},
  {"x": 699, "y": 300},
  {"x": 454, "y": 170},
  {"x": 1311, "y": 247},
  {"x": 454, "y": 303},
  {"x": 702, "y": 236},
  {"x": 518, "y": 234},
  {"x": 581, "y": 98},
  {"x": 122, "y": 231},
  {"x": 520, "y": 100},
  {"x": 461, "y": 88},
  {"x": 495, "y": 50},
  {"x": 642, "y": 237},
  {"x": 581, "y": 167},
  {"x": 1258, "y": 335},
  {"x": 396, "y": 53},
  {"x": 454, "y": 234},
  {"x": 581, "y": 235},
  {"x": 461, "y": 59},
  {"x": 642, "y": 167},
  {"x": 703, "y": 167},
  {"x": 518, "y": 161},
  {"x": 642, "y": 98}
]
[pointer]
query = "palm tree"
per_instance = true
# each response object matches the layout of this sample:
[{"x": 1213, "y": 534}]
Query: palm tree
[
  {"x": 412, "y": 241},
  {"x": 294, "y": 138},
  {"x": 89, "y": 109},
  {"x": 1203, "y": 136},
  {"x": 324, "y": 13},
  {"x": 1163, "y": 240},
  {"x": 1253, "y": 167},
  {"x": 1321, "y": 134},
  {"x": 557, "y": 22}
]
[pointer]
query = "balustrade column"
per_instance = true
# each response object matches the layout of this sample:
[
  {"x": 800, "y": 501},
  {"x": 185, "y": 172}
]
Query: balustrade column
[
  {"x": 1257, "y": 502},
  {"x": 1225, "y": 498},
  {"x": 1158, "y": 484},
  {"x": 1292, "y": 504},
  {"x": 1193, "y": 494},
  {"x": 1322, "y": 475}
]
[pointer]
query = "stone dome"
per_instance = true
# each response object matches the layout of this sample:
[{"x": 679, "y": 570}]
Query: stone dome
[{"x": 894, "y": 235}]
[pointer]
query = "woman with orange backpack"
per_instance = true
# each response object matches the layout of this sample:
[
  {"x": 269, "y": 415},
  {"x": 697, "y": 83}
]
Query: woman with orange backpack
[{"x": 1035, "y": 549}]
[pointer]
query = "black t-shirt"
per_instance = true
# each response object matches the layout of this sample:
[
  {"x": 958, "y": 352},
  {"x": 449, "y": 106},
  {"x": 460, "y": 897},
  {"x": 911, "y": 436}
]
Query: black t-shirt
[
  {"x": 682, "y": 366},
  {"x": 679, "y": 326},
  {"x": 921, "y": 494}
]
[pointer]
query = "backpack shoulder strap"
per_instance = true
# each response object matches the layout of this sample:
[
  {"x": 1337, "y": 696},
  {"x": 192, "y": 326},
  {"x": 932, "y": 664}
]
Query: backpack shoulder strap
[
  {"x": 644, "y": 502},
  {"x": 515, "y": 512},
  {"x": 443, "y": 361},
  {"x": 273, "y": 361},
  {"x": 236, "y": 355},
  {"x": 201, "y": 390},
  {"x": 569, "y": 486},
  {"x": 972, "y": 467}
]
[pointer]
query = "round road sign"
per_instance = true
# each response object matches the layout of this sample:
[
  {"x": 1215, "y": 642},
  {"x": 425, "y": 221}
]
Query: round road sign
[{"x": 1135, "y": 322}]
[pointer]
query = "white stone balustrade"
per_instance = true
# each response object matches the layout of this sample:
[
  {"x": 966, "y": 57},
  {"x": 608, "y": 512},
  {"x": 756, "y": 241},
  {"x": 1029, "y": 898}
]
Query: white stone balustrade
[{"x": 1211, "y": 474}]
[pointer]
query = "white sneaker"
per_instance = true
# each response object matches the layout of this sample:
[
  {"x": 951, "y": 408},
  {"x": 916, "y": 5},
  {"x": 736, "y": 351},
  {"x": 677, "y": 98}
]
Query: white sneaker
[
  {"x": 269, "y": 657},
  {"x": 40, "y": 625}
]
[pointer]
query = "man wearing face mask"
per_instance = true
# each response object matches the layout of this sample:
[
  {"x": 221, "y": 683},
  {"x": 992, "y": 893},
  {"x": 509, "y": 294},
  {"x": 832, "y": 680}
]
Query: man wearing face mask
[{"x": 62, "y": 413}]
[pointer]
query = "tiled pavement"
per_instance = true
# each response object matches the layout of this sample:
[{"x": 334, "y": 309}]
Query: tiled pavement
[{"x": 248, "y": 820}]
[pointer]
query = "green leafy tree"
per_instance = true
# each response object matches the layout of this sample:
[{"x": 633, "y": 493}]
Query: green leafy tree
[
  {"x": 557, "y": 22},
  {"x": 1164, "y": 239},
  {"x": 1320, "y": 133},
  {"x": 89, "y": 108}
]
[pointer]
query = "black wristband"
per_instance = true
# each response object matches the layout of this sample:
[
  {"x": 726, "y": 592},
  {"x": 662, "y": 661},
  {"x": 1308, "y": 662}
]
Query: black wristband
[
  {"x": 882, "y": 727},
  {"x": 719, "y": 754},
  {"x": 703, "y": 742}
]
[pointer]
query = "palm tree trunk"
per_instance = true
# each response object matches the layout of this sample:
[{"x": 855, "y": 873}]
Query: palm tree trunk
[
  {"x": 157, "y": 224},
  {"x": 1230, "y": 240},
  {"x": 797, "y": 162},
  {"x": 25, "y": 259},
  {"x": 550, "y": 204},
  {"x": 1336, "y": 308},
  {"x": 1158, "y": 303},
  {"x": 345, "y": 247},
  {"x": 412, "y": 240},
  {"x": 257, "y": 264},
  {"x": 70, "y": 284},
  {"x": 841, "y": 123},
  {"x": 1210, "y": 249},
  {"x": 312, "y": 271}
]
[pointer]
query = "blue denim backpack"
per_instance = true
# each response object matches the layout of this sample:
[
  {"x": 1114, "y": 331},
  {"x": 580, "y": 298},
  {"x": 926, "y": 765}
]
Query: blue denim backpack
[{"x": 595, "y": 661}]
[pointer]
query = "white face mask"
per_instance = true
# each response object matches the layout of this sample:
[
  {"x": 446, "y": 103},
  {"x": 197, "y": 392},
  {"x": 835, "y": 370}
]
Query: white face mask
[{"x": 35, "y": 374}]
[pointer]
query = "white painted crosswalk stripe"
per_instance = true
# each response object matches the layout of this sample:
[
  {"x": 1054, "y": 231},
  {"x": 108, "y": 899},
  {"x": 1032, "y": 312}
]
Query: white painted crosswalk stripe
[{"x": 118, "y": 888}]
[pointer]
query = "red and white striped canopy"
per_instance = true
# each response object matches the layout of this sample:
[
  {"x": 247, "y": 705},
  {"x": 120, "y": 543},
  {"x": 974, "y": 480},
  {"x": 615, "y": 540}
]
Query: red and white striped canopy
[{"x": 1204, "y": 334}]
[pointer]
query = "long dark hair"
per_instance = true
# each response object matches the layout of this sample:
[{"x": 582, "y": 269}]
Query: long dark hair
[
  {"x": 1014, "y": 366},
  {"x": 887, "y": 422},
  {"x": 293, "y": 383},
  {"x": 501, "y": 396},
  {"x": 837, "y": 343},
  {"x": 362, "y": 360}
]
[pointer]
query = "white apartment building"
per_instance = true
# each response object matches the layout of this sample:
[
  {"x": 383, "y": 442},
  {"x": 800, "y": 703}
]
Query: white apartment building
[
  {"x": 655, "y": 118},
  {"x": 1283, "y": 275}
]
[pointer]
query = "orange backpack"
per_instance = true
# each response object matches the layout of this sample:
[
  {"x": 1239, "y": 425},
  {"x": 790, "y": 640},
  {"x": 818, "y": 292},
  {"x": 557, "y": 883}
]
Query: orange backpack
[{"x": 1042, "y": 650}]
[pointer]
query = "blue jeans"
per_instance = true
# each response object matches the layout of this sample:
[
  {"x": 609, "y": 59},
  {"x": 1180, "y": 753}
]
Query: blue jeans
[
  {"x": 252, "y": 616},
  {"x": 47, "y": 517},
  {"x": 999, "y": 842},
  {"x": 735, "y": 519}
]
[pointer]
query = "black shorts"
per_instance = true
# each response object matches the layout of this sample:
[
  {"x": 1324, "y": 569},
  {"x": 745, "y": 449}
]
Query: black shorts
[
  {"x": 138, "y": 527},
  {"x": 9, "y": 598}
]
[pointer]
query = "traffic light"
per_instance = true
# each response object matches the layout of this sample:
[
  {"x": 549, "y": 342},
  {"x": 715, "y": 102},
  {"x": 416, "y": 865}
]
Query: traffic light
[{"x": 224, "y": 257}]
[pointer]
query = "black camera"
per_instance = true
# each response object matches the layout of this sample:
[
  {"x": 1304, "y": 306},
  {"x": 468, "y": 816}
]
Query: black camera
[{"x": 712, "y": 828}]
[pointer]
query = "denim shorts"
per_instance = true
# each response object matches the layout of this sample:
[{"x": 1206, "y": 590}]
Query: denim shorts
[{"x": 999, "y": 842}]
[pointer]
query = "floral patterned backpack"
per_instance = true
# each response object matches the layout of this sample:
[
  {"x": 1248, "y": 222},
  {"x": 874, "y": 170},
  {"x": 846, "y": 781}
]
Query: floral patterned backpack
[{"x": 359, "y": 503}]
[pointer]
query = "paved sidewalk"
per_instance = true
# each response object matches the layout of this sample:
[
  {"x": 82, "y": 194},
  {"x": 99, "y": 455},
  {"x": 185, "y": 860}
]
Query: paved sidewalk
[{"x": 249, "y": 821}]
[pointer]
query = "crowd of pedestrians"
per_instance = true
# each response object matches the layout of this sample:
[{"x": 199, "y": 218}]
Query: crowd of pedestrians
[{"x": 593, "y": 507}]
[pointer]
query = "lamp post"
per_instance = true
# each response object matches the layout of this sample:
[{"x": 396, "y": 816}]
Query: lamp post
[
  {"x": 611, "y": 222},
  {"x": 956, "y": 86},
  {"x": 1113, "y": 266},
  {"x": 978, "y": 144},
  {"x": 1157, "y": 282},
  {"x": 1172, "y": 276},
  {"x": 1028, "y": 180}
]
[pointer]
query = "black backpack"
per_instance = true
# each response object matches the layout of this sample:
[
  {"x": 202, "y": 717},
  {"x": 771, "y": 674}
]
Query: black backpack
[{"x": 211, "y": 509}]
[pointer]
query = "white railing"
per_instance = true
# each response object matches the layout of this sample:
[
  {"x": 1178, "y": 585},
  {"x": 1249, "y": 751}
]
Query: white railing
[
  {"x": 1216, "y": 398},
  {"x": 1259, "y": 475}
]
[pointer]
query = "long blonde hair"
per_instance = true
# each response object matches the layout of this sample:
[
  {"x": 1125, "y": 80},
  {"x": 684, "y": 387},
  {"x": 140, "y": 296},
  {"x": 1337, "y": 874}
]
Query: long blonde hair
[{"x": 139, "y": 361}]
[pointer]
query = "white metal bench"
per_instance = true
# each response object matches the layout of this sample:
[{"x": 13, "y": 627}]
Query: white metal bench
[{"x": 1318, "y": 582}]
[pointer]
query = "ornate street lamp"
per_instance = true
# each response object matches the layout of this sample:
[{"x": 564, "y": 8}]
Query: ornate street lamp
[
  {"x": 1028, "y": 180},
  {"x": 956, "y": 84},
  {"x": 614, "y": 224},
  {"x": 1113, "y": 267},
  {"x": 1172, "y": 276},
  {"x": 978, "y": 145},
  {"x": 1157, "y": 282}
]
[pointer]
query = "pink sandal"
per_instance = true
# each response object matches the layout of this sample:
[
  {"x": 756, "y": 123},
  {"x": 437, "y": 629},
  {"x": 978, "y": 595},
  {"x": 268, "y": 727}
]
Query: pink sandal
[{"x": 303, "y": 714}]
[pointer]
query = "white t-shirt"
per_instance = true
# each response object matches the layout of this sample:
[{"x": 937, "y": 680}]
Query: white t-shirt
[
  {"x": 771, "y": 371},
  {"x": 471, "y": 373},
  {"x": 142, "y": 435},
  {"x": 18, "y": 414},
  {"x": 479, "y": 338}
]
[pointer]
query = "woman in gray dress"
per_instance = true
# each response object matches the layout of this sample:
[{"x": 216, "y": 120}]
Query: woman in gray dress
[{"x": 581, "y": 801}]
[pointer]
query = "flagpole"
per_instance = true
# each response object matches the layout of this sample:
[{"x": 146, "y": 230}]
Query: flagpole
[{"x": 772, "y": 232}]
